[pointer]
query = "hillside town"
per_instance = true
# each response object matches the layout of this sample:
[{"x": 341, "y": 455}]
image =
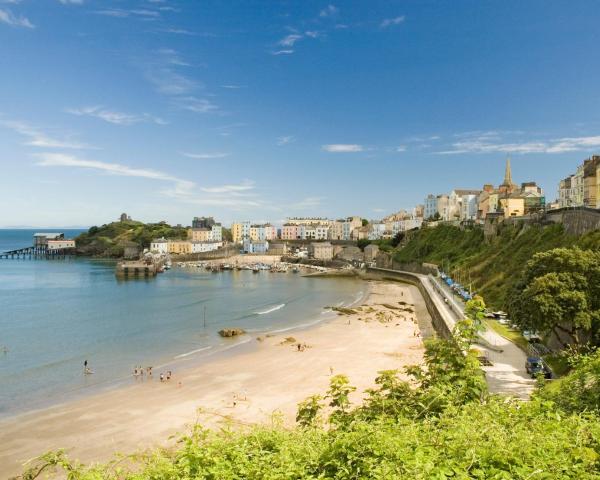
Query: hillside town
[{"x": 324, "y": 239}]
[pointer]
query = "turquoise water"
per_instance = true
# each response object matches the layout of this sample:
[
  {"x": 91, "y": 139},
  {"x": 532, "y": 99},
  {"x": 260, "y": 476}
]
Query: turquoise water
[{"x": 54, "y": 314}]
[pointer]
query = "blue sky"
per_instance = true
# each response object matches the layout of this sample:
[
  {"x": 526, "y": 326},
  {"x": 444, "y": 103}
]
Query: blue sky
[{"x": 260, "y": 110}]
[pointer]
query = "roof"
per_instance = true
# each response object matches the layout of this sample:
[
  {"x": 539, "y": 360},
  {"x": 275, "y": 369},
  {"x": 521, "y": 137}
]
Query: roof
[
  {"x": 48, "y": 235},
  {"x": 462, "y": 192},
  {"x": 160, "y": 240}
]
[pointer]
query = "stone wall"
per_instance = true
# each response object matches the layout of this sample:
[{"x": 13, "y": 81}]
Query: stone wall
[
  {"x": 438, "y": 322},
  {"x": 576, "y": 221}
]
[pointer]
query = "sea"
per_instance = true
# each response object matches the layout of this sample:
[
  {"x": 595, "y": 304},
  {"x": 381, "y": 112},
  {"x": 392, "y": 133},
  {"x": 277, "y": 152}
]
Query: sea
[{"x": 57, "y": 313}]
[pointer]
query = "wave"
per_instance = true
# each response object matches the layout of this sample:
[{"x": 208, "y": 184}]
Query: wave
[
  {"x": 187, "y": 354},
  {"x": 278, "y": 307}
]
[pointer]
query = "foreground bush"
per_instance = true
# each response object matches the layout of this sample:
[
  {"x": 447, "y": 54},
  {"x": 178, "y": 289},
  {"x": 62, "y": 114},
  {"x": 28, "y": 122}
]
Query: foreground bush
[{"x": 441, "y": 425}]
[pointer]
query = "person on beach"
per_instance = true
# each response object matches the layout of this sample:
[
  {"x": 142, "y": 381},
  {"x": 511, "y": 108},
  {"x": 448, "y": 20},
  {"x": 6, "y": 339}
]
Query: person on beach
[
  {"x": 149, "y": 371},
  {"x": 162, "y": 377},
  {"x": 169, "y": 375},
  {"x": 85, "y": 366},
  {"x": 135, "y": 372}
]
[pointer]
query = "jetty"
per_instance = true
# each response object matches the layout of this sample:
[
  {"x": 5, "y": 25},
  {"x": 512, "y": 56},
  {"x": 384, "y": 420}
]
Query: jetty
[{"x": 45, "y": 245}]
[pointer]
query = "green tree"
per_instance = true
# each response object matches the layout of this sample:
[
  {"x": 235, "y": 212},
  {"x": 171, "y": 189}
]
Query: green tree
[{"x": 559, "y": 293}]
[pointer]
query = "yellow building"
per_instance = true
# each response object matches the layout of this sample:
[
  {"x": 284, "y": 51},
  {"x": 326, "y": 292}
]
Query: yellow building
[
  {"x": 200, "y": 234},
  {"x": 180, "y": 246},
  {"x": 513, "y": 206}
]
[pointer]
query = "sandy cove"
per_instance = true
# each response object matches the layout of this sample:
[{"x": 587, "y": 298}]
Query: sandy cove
[{"x": 273, "y": 377}]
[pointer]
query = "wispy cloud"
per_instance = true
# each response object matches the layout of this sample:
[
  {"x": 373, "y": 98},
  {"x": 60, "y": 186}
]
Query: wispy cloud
[
  {"x": 163, "y": 70},
  {"x": 343, "y": 148},
  {"x": 141, "y": 13},
  {"x": 289, "y": 40},
  {"x": 245, "y": 186},
  {"x": 400, "y": 148},
  {"x": 307, "y": 203},
  {"x": 71, "y": 2},
  {"x": 117, "y": 118},
  {"x": 7, "y": 17},
  {"x": 388, "y": 22},
  {"x": 282, "y": 52},
  {"x": 231, "y": 87},
  {"x": 37, "y": 138},
  {"x": 491, "y": 142},
  {"x": 197, "y": 105},
  {"x": 329, "y": 11},
  {"x": 286, "y": 139},
  {"x": 205, "y": 156},
  {"x": 46, "y": 159}
]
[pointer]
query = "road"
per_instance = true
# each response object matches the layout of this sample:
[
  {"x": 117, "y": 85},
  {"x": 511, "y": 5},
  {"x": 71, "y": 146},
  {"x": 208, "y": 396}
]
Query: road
[{"x": 507, "y": 373}]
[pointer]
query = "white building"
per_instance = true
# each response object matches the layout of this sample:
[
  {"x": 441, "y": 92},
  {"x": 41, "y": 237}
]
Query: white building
[
  {"x": 202, "y": 247},
  {"x": 431, "y": 206},
  {"x": 62, "y": 244},
  {"x": 258, "y": 246},
  {"x": 159, "y": 245}
]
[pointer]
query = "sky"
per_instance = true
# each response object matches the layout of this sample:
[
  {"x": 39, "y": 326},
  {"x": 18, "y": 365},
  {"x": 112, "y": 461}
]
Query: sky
[{"x": 260, "y": 110}]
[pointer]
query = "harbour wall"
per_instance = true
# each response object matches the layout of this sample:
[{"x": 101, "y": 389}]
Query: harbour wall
[{"x": 442, "y": 325}]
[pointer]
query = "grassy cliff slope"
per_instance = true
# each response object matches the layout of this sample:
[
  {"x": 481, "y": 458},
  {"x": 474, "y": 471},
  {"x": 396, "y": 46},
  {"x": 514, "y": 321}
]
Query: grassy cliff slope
[
  {"x": 492, "y": 266},
  {"x": 109, "y": 240}
]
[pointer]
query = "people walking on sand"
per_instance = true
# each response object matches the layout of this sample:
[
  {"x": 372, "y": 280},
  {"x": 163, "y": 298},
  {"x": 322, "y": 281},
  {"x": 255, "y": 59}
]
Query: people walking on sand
[
  {"x": 162, "y": 377},
  {"x": 149, "y": 371},
  {"x": 85, "y": 364},
  {"x": 169, "y": 375},
  {"x": 330, "y": 370}
]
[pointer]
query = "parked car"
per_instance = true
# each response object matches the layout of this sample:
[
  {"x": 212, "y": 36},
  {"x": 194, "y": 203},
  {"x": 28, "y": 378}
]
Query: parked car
[{"x": 535, "y": 365}]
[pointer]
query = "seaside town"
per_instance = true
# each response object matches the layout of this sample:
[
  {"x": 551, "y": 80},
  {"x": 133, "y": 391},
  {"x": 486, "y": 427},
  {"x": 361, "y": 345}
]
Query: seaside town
[
  {"x": 299, "y": 240},
  {"x": 325, "y": 239}
]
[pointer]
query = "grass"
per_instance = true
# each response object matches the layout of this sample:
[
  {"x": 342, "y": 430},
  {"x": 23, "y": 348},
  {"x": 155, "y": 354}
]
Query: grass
[{"x": 512, "y": 335}]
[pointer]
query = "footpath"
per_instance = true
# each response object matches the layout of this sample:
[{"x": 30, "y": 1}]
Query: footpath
[{"x": 507, "y": 374}]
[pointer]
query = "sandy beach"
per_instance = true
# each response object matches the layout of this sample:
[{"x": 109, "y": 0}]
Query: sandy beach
[{"x": 272, "y": 376}]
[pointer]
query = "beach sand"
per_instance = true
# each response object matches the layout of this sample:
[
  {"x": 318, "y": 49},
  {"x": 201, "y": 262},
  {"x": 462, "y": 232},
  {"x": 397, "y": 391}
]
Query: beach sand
[{"x": 271, "y": 377}]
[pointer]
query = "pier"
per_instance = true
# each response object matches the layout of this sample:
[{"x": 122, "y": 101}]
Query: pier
[{"x": 37, "y": 252}]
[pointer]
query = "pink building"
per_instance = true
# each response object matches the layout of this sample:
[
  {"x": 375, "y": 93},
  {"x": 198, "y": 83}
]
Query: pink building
[{"x": 289, "y": 232}]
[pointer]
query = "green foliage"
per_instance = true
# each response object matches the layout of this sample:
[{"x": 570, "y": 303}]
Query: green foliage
[
  {"x": 580, "y": 390},
  {"x": 109, "y": 240},
  {"x": 559, "y": 292},
  {"x": 492, "y": 266},
  {"x": 308, "y": 411},
  {"x": 362, "y": 243},
  {"x": 438, "y": 425}
]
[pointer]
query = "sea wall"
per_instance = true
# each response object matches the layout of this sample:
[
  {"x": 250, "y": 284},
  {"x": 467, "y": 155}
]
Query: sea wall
[
  {"x": 576, "y": 221},
  {"x": 441, "y": 326}
]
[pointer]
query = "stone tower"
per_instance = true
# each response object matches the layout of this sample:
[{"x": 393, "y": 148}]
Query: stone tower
[{"x": 507, "y": 185}]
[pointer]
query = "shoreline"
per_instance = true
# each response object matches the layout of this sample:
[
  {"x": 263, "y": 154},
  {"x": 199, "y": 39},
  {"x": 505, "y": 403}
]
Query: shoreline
[{"x": 265, "y": 372}]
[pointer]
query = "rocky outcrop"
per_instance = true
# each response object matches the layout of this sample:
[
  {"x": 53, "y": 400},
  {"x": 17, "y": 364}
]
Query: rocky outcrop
[{"x": 231, "y": 332}]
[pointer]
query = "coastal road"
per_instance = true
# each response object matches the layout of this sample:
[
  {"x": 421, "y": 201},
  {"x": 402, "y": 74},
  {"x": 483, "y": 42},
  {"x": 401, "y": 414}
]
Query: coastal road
[{"x": 507, "y": 373}]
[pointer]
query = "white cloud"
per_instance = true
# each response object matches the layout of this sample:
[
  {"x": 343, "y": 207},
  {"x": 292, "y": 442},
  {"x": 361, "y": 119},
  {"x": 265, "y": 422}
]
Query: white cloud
[
  {"x": 343, "y": 148},
  {"x": 40, "y": 139},
  {"x": 205, "y": 156},
  {"x": 400, "y": 148},
  {"x": 328, "y": 11},
  {"x": 117, "y": 118},
  {"x": 392, "y": 21},
  {"x": 181, "y": 186},
  {"x": 286, "y": 139},
  {"x": 282, "y": 52},
  {"x": 312, "y": 34},
  {"x": 289, "y": 40},
  {"x": 14, "y": 21},
  {"x": 142, "y": 14},
  {"x": 246, "y": 185},
  {"x": 307, "y": 203},
  {"x": 484, "y": 143},
  {"x": 197, "y": 105},
  {"x": 71, "y": 2},
  {"x": 231, "y": 87}
]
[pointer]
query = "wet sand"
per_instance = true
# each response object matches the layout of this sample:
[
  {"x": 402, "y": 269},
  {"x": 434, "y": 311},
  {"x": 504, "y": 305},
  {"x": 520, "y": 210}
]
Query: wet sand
[{"x": 272, "y": 378}]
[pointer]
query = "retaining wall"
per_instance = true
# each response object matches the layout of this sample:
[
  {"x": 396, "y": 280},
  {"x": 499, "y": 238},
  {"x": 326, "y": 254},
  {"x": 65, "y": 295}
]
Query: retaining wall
[{"x": 440, "y": 325}]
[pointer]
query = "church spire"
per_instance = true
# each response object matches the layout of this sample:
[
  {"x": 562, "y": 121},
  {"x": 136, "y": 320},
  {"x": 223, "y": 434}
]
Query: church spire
[{"x": 508, "y": 174}]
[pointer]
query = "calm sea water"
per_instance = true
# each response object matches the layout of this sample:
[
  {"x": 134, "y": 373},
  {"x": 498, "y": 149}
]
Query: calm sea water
[{"x": 54, "y": 314}]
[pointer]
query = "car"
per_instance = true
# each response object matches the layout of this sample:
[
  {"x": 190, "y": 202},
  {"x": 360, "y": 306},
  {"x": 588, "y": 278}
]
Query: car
[{"x": 535, "y": 366}]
